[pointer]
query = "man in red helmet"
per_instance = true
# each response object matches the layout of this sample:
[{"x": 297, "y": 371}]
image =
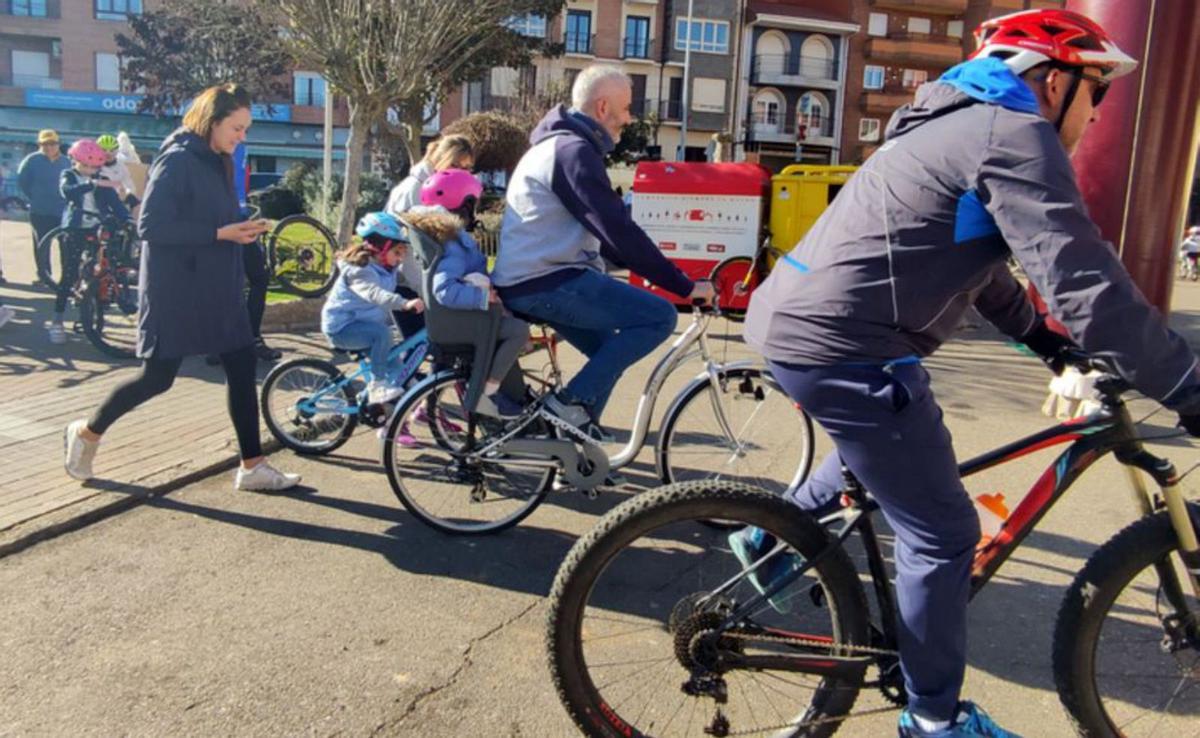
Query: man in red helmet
[{"x": 976, "y": 169}]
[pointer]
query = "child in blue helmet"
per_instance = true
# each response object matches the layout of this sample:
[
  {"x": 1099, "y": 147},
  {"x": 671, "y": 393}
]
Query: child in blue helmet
[{"x": 357, "y": 314}]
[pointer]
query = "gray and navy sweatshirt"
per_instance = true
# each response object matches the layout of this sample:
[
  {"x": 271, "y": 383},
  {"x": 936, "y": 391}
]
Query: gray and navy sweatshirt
[
  {"x": 562, "y": 215},
  {"x": 970, "y": 173}
]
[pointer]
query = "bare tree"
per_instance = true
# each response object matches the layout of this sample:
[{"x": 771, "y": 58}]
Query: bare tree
[{"x": 380, "y": 53}]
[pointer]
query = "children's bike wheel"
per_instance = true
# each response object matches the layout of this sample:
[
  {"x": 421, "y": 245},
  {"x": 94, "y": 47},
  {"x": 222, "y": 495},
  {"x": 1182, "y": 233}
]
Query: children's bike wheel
[
  {"x": 108, "y": 313},
  {"x": 308, "y": 406},
  {"x": 50, "y": 257},
  {"x": 440, "y": 483}
]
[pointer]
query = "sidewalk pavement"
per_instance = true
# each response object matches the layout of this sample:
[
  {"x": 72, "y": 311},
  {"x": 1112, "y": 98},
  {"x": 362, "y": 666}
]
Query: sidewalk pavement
[{"x": 178, "y": 437}]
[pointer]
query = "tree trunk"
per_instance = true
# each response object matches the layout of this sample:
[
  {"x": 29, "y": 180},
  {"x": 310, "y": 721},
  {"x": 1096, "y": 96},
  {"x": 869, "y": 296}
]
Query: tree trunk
[
  {"x": 360, "y": 127},
  {"x": 414, "y": 122}
]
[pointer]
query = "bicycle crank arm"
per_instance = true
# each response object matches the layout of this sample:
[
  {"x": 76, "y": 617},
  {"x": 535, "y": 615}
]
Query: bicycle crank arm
[{"x": 582, "y": 471}]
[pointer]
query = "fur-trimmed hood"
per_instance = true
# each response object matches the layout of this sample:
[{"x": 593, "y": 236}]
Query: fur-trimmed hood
[{"x": 437, "y": 222}]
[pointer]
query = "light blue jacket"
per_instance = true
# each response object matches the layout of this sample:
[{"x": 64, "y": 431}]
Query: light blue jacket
[
  {"x": 366, "y": 293},
  {"x": 462, "y": 257}
]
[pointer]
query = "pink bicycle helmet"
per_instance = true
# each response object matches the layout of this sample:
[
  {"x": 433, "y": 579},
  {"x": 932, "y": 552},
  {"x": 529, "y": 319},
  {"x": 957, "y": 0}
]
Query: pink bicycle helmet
[
  {"x": 450, "y": 188},
  {"x": 87, "y": 152}
]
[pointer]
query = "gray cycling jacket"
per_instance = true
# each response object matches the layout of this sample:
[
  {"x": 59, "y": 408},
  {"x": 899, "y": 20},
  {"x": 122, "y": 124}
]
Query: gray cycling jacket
[{"x": 968, "y": 171}]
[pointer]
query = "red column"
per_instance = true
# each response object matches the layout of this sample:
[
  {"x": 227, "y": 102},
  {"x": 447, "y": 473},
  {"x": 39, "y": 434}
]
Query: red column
[{"x": 1135, "y": 164}]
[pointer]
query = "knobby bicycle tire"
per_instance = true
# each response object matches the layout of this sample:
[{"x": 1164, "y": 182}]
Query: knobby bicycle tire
[{"x": 311, "y": 270}]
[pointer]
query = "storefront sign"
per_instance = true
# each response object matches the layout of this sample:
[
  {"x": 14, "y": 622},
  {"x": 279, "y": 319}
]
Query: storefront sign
[{"x": 102, "y": 102}]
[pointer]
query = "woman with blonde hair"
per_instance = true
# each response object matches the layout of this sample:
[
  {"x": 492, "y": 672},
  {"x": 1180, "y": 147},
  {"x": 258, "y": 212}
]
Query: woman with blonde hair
[
  {"x": 447, "y": 152},
  {"x": 190, "y": 291}
]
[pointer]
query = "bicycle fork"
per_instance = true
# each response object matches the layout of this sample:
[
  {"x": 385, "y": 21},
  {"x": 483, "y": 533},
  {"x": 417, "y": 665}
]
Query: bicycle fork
[{"x": 1171, "y": 499}]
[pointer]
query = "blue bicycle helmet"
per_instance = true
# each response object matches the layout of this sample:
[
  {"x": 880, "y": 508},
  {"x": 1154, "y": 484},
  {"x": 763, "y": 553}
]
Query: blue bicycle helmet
[{"x": 382, "y": 225}]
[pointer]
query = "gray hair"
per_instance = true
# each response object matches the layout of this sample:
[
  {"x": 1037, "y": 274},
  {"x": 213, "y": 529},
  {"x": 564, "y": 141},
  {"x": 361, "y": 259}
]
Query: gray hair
[{"x": 591, "y": 81}]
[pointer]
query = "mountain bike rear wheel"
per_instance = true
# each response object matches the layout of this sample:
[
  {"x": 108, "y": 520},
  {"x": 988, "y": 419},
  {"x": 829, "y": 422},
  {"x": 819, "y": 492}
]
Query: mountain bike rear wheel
[{"x": 301, "y": 251}]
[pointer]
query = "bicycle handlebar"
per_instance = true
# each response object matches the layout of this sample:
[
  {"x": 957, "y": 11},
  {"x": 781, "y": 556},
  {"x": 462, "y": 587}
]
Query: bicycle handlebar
[{"x": 1110, "y": 383}]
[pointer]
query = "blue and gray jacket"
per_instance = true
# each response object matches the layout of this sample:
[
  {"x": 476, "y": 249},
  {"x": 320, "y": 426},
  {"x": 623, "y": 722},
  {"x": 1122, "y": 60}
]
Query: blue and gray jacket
[
  {"x": 562, "y": 214},
  {"x": 969, "y": 173},
  {"x": 87, "y": 204}
]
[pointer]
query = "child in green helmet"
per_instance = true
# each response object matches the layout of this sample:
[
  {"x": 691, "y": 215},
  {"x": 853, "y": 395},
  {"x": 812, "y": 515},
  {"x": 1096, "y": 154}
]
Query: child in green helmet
[{"x": 114, "y": 169}]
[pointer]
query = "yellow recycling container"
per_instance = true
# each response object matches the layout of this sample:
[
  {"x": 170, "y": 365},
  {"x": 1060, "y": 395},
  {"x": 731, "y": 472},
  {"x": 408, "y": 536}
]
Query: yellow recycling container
[{"x": 799, "y": 194}]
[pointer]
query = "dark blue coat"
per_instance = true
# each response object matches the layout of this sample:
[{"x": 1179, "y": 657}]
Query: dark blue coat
[{"x": 191, "y": 284}]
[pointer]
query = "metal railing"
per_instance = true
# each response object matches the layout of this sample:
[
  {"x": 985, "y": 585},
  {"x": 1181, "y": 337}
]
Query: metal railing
[
  {"x": 636, "y": 48},
  {"x": 670, "y": 109},
  {"x": 579, "y": 43},
  {"x": 36, "y": 81},
  {"x": 786, "y": 65},
  {"x": 762, "y": 125}
]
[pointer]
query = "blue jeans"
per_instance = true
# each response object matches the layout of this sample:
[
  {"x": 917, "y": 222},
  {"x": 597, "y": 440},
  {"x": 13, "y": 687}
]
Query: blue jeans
[
  {"x": 611, "y": 322},
  {"x": 888, "y": 430},
  {"x": 373, "y": 337}
]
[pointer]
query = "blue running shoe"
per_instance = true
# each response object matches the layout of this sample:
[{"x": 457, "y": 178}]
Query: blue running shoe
[
  {"x": 969, "y": 722},
  {"x": 751, "y": 544}
]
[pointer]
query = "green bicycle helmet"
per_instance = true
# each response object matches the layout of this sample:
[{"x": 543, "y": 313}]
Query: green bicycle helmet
[{"x": 108, "y": 142}]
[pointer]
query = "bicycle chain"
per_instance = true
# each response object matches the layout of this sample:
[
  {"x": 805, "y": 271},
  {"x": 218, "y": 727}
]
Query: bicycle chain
[{"x": 817, "y": 644}]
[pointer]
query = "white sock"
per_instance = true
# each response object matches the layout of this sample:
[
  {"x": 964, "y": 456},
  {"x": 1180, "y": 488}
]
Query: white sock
[{"x": 929, "y": 726}]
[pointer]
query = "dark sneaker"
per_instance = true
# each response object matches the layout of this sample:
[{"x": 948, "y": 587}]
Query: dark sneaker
[
  {"x": 266, "y": 353},
  {"x": 969, "y": 722},
  {"x": 751, "y": 544},
  {"x": 499, "y": 405},
  {"x": 570, "y": 413}
]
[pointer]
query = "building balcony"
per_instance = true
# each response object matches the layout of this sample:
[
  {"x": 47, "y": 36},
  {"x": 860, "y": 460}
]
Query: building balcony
[
  {"x": 642, "y": 107},
  {"x": 940, "y": 51},
  {"x": 670, "y": 110},
  {"x": 932, "y": 7},
  {"x": 791, "y": 71},
  {"x": 634, "y": 49},
  {"x": 767, "y": 129},
  {"x": 884, "y": 102}
]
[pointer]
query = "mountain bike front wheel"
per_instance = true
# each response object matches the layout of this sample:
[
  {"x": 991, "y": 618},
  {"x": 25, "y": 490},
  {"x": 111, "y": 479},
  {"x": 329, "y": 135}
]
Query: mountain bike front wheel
[
  {"x": 1127, "y": 638},
  {"x": 301, "y": 252}
]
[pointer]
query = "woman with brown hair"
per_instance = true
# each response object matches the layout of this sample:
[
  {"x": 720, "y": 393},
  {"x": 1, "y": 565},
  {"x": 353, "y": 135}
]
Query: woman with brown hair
[{"x": 191, "y": 281}]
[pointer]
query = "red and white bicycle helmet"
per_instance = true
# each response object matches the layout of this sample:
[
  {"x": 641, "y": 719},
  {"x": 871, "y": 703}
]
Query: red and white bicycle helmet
[
  {"x": 450, "y": 188},
  {"x": 1024, "y": 40},
  {"x": 87, "y": 152}
]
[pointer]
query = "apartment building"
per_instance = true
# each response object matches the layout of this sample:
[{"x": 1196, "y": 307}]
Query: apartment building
[
  {"x": 903, "y": 44},
  {"x": 59, "y": 69},
  {"x": 792, "y": 81}
]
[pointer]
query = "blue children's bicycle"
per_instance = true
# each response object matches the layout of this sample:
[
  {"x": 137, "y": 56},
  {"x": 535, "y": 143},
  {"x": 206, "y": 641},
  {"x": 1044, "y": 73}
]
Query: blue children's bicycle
[{"x": 312, "y": 407}]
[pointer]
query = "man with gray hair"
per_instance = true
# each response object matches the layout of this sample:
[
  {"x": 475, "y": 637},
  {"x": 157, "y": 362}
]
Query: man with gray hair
[{"x": 562, "y": 221}]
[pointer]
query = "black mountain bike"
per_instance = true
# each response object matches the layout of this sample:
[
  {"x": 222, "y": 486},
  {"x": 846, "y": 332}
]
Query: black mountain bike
[{"x": 654, "y": 628}]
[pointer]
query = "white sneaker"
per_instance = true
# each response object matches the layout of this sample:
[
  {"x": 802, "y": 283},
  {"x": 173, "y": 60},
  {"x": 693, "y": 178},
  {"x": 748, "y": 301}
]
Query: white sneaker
[
  {"x": 58, "y": 334},
  {"x": 264, "y": 478},
  {"x": 78, "y": 452},
  {"x": 6, "y": 314},
  {"x": 379, "y": 392}
]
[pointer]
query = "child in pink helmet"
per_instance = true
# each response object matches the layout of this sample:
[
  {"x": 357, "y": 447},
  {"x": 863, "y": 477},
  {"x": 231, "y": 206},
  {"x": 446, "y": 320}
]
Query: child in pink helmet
[{"x": 461, "y": 281}]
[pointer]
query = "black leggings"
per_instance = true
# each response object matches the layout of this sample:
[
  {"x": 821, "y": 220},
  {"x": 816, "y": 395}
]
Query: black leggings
[
  {"x": 159, "y": 374},
  {"x": 254, "y": 260},
  {"x": 69, "y": 257}
]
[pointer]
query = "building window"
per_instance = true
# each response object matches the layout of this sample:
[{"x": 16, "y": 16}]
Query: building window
[
  {"x": 528, "y": 24},
  {"x": 954, "y": 29},
  {"x": 873, "y": 77},
  {"x": 868, "y": 130},
  {"x": 709, "y": 36},
  {"x": 308, "y": 88},
  {"x": 637, "y": 37},
  {"x": 919, "y": 25},
  {"x": 28, "y": 8},
  {"x": 878, "y": 24},
  {"x": 32, "y": 69},
  {"x": 579, "y": 32},
  {"x": 813, "y": 111},
  {"x": 708, "y": 95},
  {"x": 915, "y": 77},
  {"x": 108, "y": 72},
  {"x": 117, "y": 9}
]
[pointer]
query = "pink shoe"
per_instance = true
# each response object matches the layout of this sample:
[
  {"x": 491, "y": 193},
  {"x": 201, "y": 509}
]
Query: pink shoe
[
  {"x": 420, "y": 416},
  {"x": 405, "y": 439}
]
